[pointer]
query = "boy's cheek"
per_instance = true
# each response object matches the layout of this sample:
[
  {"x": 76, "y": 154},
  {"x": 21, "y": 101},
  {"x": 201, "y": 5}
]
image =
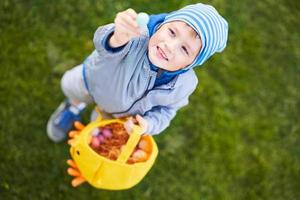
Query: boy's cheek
[
  {"x": 152, "y": 57},
  {"x": 157, "y": 62}
]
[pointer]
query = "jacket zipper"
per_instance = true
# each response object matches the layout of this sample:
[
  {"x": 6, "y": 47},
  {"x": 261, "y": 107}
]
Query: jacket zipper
[{"x": 145, "y": 93}]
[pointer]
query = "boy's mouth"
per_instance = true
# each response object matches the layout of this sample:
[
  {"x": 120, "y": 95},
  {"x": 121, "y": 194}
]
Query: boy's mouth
[{"x": 161, "y": 54}]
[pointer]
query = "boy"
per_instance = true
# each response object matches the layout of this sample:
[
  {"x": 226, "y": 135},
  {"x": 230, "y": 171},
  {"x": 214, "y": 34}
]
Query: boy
[{"x": 147, "y": 76}]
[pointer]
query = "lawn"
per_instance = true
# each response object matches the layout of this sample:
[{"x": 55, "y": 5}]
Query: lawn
[{"x": 239, "y": 137}]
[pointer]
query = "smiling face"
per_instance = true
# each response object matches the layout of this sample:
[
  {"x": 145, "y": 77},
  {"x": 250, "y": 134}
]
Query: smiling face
[{"x": 174, "y": 46}]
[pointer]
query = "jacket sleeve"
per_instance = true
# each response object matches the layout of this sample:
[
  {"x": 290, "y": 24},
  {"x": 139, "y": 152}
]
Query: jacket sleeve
[
  {"x": 159, "y": 117},
  {"x": 100, "y": 40}
]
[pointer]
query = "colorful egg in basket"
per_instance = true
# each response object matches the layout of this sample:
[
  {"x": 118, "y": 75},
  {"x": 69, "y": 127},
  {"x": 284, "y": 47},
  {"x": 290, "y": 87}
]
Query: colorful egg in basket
[{"x": 117, "y": 170}]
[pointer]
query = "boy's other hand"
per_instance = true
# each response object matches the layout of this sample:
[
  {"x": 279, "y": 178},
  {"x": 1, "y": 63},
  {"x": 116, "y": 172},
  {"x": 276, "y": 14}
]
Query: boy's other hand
[
  {"x": 126, "y": 28},
  {"x": 142, "y": 123},
  {"x": 137, "y": 120}
]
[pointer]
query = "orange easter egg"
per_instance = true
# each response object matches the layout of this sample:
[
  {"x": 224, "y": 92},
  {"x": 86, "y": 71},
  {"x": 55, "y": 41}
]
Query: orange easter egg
[
  {"x": 140, "y": 155},
  {"x": 145, "y": 144}
]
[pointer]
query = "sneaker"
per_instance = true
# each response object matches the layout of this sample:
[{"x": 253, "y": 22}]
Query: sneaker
[{"x": 62, "y": 120}]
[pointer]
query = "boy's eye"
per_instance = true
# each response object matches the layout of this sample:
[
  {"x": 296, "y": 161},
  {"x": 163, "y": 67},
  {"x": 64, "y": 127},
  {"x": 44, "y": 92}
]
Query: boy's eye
[
  {"x": 185, "y": 50},
  {"x": 172, "y": 32}
]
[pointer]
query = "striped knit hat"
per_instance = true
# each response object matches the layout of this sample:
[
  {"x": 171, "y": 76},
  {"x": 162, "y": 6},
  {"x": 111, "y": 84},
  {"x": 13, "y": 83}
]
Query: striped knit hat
[{"x": 210, "y": 26}]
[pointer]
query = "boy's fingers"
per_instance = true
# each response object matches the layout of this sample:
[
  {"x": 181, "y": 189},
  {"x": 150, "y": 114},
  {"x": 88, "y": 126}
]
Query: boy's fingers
[
  {"x": 138, "y": 118},
  {"x": 128, "y": 125},
  {"x": 132, "y": 13},
  {"x": 125, "y": 30},
  {"x": 127, "y": 21},
  {"x": 130, "y": 21},
  {"x": 126, "y": 27},
  {"x": 141, "y": 121},
  {"x": 127, "y": 16},
  {"x": 134, "y": 120}
]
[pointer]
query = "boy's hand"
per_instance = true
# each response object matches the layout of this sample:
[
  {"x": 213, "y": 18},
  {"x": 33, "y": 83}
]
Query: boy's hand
[
  {"x": 126, "y": 28},
  {"x": 142, "y": 123},
  {"x": 137, "y": 120}
]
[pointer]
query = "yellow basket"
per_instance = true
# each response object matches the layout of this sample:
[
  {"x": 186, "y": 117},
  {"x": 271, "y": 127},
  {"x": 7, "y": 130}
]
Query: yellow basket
[{"x": 104, "y": 173}]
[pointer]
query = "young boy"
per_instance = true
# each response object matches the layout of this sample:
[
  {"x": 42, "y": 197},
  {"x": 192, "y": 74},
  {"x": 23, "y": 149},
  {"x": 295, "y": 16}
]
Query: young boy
[{"x": 147, "y": 76}]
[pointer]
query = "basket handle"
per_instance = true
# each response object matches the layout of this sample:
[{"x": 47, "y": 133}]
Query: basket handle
[
  {"x": 100, "y": 115},
  {"x": 130, "y": 145}
]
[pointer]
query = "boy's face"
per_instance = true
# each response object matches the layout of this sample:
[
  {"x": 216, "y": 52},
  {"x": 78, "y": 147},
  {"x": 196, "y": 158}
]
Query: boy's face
[{"x": 174, "y": 46}]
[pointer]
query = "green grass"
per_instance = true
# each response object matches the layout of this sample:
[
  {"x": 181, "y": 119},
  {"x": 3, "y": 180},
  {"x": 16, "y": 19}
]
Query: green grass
[{"x": 237, "y": 139}]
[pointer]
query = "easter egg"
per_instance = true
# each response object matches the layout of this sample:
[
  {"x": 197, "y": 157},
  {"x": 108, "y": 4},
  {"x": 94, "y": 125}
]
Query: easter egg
[
  {"x": 130, "y": 161},
  {"x": 95, "y": 132},
  {"x": 139, "y": 155},
  {"x": 95, "y": 143},
  {"x": 145, "y": 144},
  {"x": 101, "y": 138},
  {"x": 142, "y": 19},
  {"x": 106, "y": 133}
]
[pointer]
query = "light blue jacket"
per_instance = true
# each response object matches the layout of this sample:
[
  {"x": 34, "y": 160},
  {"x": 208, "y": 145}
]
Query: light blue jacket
[{"x": 121, "y": 83}]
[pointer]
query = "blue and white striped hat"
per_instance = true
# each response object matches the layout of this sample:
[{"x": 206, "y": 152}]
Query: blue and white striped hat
[{"x": 210, "y": 26}]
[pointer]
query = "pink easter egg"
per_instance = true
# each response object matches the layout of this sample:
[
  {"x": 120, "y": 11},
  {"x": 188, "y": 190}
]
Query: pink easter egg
[
  {"x": 106, "y": 133},
  {"x": 95, "y": 143},
  {"x": 101, "y": 138}
]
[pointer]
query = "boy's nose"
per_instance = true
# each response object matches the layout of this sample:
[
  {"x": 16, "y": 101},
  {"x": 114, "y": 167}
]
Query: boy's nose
[
  {"x": 167, "y": 48},
  {"x": 173, "y": 44}
]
